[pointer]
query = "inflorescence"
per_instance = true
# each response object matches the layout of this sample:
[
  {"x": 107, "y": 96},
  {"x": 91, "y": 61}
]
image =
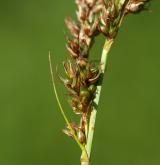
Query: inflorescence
[{"x": 94, "y": 17}]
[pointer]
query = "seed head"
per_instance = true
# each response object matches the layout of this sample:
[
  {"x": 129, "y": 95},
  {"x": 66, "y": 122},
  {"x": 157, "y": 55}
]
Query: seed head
[{"x": 82, "y": 75}]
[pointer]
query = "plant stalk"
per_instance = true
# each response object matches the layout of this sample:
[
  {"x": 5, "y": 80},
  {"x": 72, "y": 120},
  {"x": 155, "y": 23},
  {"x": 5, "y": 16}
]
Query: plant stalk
[
  {"x": 106, "y": 49},
  {"x": 104, "y": 57},
  {"x": 85, "y": 159}
]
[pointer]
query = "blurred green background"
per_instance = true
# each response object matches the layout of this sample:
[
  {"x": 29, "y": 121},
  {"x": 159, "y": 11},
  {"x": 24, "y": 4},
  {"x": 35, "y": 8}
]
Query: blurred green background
[{"x": 128, "y": 122}]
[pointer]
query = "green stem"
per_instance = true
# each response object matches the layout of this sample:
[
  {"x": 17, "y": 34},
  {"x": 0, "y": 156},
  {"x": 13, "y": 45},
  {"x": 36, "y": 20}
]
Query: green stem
[
  {"x": 86, "y": 158},
  {"x": 104, "y": 58}
]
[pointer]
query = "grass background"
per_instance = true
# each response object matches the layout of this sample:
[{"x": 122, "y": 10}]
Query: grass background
[{"x": 127, "y": 129}]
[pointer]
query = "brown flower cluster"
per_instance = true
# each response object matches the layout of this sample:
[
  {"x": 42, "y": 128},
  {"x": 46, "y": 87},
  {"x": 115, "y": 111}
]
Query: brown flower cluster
[{"x": 82, "y": 75}]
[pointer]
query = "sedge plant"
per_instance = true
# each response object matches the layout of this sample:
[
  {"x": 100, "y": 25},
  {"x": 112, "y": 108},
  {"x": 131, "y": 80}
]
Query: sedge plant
[{"x": 84, "y": 76}]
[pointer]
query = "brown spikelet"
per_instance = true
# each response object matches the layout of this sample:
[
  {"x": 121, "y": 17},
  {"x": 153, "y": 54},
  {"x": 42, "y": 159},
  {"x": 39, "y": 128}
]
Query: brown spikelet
[
  {"x": 135, "y": 6},
  {"x": 72, "y": 26}
]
